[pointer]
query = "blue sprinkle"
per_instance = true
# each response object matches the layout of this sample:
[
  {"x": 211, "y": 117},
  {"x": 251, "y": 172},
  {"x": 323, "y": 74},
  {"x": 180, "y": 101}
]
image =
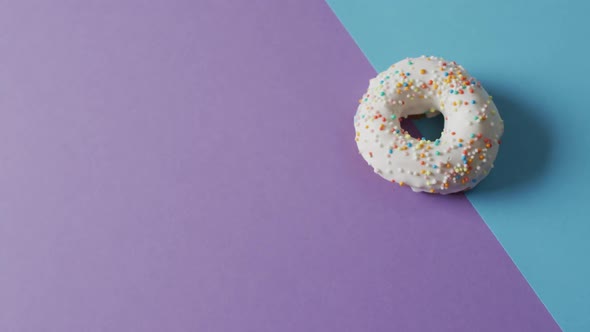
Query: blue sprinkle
[
  {"x": 407, "y": 74},
  {"x": 460, "y": 145},
  {"x": 409, "y": 145},
  {"x": 406, "y": 84},
  {"x": 446, "y": 74},
  {"x": 397, "y": 131},
  {"x": 390, "y": 151},
  {"x": 452, "y": 91},
  {"x": 473, "y": 101},
  {"x": 434, "y": 166}
]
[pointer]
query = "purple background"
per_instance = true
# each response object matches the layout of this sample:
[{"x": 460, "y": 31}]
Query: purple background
[{"x": 190, "y": 166}]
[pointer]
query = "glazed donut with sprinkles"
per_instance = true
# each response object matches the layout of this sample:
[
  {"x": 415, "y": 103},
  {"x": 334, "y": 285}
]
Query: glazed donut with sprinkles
[{"x": 465, "y": 152}]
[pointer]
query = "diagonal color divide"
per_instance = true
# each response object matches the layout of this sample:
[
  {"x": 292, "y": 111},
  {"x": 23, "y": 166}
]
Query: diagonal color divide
[
  {"x": 190, "y": 166},
  {"x": 535, "y": 201}
]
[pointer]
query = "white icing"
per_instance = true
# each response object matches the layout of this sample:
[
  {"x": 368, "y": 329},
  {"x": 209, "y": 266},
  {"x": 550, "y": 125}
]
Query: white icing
[{"x": 467, "y": 148}]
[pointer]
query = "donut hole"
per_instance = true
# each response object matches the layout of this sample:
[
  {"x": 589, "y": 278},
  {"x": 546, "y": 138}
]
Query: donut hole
[{"x": 430, "y": 128}]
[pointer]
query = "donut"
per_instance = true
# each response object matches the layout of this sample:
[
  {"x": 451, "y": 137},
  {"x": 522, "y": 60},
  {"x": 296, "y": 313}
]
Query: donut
[{"x": 465, "y": 152}]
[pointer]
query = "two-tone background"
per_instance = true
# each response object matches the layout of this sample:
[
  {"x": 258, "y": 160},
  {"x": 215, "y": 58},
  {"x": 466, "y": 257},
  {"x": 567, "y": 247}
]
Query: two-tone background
[{"x": 190, "y": 166}]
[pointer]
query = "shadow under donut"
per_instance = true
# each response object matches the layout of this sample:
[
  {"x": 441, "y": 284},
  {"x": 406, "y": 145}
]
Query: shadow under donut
[{"x": 526, "y": 144}]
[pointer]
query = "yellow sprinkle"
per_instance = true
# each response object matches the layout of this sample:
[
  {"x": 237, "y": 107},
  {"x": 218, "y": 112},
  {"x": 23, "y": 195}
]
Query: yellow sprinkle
[{"x": 422, "y": 71}]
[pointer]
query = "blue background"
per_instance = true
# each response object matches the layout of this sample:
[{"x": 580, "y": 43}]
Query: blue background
[{"x": 532, "y": 56}]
